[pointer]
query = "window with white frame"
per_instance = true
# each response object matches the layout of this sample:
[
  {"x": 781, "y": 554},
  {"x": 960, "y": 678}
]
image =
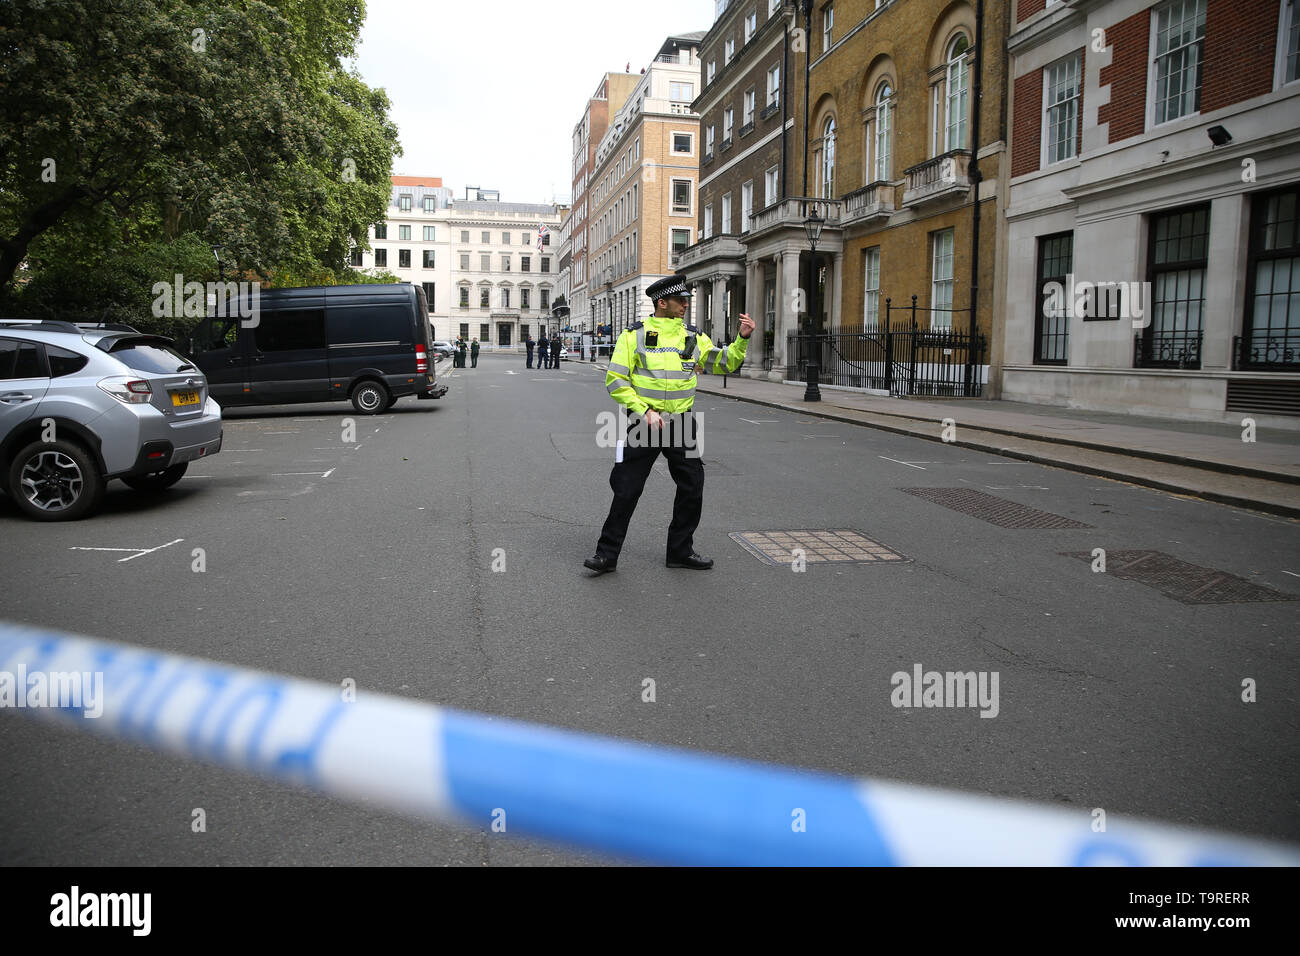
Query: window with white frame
[
  {"x": 882, "y": 165},
  {"x": 728, "y": 119},
  {"x": 952, "y": 98},
  {"x": 464, "y": 235},
  {"x": 826, "y": 167},
  {"x": 464, "y": 297},
  {"x": 706, "y": 227},
  {"x": 483, "y": 302},
  {"x": 773, "y": 6},
  {"x": 769, "y": 186},
  {"x": 1289, "y": 45},
  {"x": 464, "y": 262},
  {"x": 708, "y": 141},
  {"x": 710, "y": 71},
  {"x": 774, "y": 85},
  {"x": 679, "y": 239},
  {"x": 749, "y": 108},
  {"x": 505, "y": 298},
  {"x": 725, "y": 225},
  {"x": 505, "y": 263},
  {"x": 871, "y": 287},
  {"x": 505, "y": 238},
  {"x": 828, "y": 25},
  {"x": 485, "y": 237},
  {"x": 1179, "y": 29},
  {"x": 751, "y": 26},
  {"x": 485, "y": 263},
  {"x": 1061, "y": 102},
  {"x": 941, "y": 279},
  {"x": 403, "y": 232},
  {"x": 683, "y": 143},
  {"x": 428, "y": 259},
  {"x": 428, "y": 234},
  {"x": 681, "y": 197},
  {"x": 746, "y": 204},
  {"x": 404, "y": 203},
  {"x": 728, "y": 51},
  {"x": 681, "y": 92}
]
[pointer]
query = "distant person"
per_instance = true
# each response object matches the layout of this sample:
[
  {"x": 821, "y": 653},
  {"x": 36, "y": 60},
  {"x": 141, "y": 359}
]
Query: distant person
[
  {"x": 530, "y": 345},
  {"x": 460, "y": 351},
  {"x": 544, "y": 352},
  {"x": 473, "y": 353},
  {"x": 555, "y": 352}
]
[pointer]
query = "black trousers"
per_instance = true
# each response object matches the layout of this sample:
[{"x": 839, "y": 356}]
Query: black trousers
[{"x": 628, "y": 480}]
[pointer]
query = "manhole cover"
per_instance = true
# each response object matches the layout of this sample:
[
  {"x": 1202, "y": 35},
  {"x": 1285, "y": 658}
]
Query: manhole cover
[
  {"x": 1188, "y": 583},
  {"x": 994, "y": 510},
  {"x": 819, "y": 547}
]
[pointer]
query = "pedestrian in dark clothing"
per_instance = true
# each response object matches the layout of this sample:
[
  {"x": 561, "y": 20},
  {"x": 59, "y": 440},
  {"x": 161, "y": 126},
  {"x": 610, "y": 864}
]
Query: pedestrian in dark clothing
[
  {"x": 555, "y": 352},
  {"x": 460, "y": 351},
  {"x": 544, "y": 352},
  {"x": 530, "y": 344},
  {"x": 473, "y": 353}
]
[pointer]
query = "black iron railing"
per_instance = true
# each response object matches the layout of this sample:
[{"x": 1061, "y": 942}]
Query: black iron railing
[
  {"x": 1267, "y": 352},
  {"x": 1174, "y": 348}
]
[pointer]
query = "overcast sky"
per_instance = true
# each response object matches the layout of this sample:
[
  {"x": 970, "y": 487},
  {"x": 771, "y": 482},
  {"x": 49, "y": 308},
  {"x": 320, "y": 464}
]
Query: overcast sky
[{"x": 487, "y": 92}]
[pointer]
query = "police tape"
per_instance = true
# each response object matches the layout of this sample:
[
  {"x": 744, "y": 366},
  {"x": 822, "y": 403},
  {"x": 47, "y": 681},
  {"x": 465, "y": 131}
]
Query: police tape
[{"x": 615, "y": 797}]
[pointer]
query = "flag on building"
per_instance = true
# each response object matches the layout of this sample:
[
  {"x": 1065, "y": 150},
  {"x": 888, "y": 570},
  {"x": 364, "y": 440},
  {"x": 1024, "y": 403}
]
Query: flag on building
[{"x": 541, "y": 231}]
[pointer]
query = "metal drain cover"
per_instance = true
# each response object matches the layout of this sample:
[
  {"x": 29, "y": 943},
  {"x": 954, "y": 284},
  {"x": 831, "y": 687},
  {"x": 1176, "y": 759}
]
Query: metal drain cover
[
  {"x": 1188, "y": 583},
  {"x": 819, "y": 547},
  {"x": 994, "y": 510}
]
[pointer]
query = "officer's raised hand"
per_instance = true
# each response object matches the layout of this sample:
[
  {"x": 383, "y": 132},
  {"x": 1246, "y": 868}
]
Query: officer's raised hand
[
  {"x": 746, "y": 326},
  {"x": 653, "y": 418}
]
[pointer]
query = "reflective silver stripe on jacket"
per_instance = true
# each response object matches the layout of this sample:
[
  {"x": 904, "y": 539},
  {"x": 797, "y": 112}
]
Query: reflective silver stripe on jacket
[
  {"x": 640, "y": 343},
  {"x": 711, "y": 357},
  {"x": 664, "y": 393},
  {"x": 683, "y": 373},
  {"x": 613, "y": 387},
  {"x": 619, "y": 369}
]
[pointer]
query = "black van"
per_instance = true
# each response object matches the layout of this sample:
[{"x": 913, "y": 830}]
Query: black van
[{"x": 367, "y": 343}]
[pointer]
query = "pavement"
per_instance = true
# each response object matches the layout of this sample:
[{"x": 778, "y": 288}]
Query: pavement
[{"x": 1205, "y": 460}]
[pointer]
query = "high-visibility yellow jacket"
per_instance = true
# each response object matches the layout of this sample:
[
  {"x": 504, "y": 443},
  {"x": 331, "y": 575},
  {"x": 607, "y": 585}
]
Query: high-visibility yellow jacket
[{"x": 652, "y": 368}]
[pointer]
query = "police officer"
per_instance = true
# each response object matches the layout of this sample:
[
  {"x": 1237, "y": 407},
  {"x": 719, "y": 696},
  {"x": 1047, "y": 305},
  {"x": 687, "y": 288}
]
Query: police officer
[
  {"x": 530, "y": 345},
  {"x": 543, "y": 351},
  {"x": 652, "y": 373}
]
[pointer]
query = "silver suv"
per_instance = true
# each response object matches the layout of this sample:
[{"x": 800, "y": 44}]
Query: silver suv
[{"x": 81, "y": 405}]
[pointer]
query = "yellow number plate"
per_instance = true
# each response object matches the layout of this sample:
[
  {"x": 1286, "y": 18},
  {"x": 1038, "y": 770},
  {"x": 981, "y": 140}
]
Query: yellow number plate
[{"x": 184, "y": 398}]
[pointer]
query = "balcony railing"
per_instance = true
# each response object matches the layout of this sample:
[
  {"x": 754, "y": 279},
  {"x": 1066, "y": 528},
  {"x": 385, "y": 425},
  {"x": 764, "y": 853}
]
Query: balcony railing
[
  {"x": 793, "y": 212},
  {"x": 873, "y": 201},
  {"x": 938, "y": 178},
  {"x": 1173, "y": 348},
  {"x": 714, "y": 247},
  {"x": 1267, "y": 352},
  {"x": 747, "y": 128},
  {"x": 769, "y": 109}
]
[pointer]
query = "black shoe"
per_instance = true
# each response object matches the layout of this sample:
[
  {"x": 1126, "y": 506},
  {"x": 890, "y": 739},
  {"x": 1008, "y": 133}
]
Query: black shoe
[
  {"x": 601, "y": 564},
  {"x": 692, "y": 561}
]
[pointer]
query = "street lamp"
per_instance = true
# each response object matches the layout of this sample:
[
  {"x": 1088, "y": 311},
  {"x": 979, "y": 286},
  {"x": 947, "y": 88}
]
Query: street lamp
[
  {"x": 813, "y": 228},
  {"x": 221, "y": 272}
]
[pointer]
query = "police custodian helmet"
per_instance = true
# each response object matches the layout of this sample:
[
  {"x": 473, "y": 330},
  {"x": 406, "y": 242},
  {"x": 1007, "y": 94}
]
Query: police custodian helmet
[{"x": 669, "y": 286}]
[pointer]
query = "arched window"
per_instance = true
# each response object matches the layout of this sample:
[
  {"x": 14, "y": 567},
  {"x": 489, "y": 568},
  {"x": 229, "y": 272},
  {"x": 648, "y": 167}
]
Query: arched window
[
  {"x": 828, "y": 158},
  {"x": 884, "y": 131},
  {"x": 957, "y": 101}
]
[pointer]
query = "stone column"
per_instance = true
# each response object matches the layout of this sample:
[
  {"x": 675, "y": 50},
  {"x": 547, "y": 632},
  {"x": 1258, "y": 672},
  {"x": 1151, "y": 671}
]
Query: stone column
[
  {"x": 835, "y": 282},
  {"x": 754, "y": 308},
  {"x": 787, "y": 319},
  {"x": 717, "y": 316}
]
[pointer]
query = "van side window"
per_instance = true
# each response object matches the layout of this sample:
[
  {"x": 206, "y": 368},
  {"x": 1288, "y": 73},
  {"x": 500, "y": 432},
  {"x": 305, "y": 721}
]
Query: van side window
[
  {"x": 19, "y": 360},
  {"x": 284, "y": 330},
  {"x": 353, "y": 324},
  {"x": 216, "y": 333}
]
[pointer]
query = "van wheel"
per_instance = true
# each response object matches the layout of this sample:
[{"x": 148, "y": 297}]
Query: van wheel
[
  {"x": 55, "y": 481},
  {"x": 370, "y": 398},
  {"x": 157, "y": 480}
]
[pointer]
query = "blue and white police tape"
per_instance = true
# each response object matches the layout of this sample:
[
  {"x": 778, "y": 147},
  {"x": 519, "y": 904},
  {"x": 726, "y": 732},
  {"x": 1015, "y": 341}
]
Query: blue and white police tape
[{"x": 615, "y": 797}]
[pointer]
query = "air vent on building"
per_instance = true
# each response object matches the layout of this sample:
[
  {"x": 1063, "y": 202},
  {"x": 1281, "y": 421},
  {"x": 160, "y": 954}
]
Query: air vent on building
[{"x": 1264, "y": 397}]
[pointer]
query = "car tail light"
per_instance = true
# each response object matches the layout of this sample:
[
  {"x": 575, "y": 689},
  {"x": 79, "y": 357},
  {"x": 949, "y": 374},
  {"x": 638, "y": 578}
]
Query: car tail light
[
  {"x": 421, "y": 359},
  {"x": 128, "y": 391}
]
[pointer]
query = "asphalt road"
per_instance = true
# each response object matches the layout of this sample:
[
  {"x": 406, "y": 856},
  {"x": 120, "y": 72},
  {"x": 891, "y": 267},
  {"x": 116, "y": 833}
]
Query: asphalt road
[{"x": 373, "y": 560}]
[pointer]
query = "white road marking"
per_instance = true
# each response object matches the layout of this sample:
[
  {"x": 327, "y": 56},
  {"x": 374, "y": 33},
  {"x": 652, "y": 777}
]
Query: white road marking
[
  {"x": 280, "y": 433},
  {"x": 139, "y": 552},
  {"x": 907, "y": 463},
  {"x": 1292, "y": 573},
  {"x": 761, "y": 421},
  {"x": 301, "y": 474},
  {"x": 330, "y": 472}
]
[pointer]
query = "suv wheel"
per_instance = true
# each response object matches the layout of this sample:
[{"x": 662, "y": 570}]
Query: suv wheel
[
  {"x": 157, "y": 480},
  {"x": 370, "y": 398},
  {"x": 55, "y": 481}
]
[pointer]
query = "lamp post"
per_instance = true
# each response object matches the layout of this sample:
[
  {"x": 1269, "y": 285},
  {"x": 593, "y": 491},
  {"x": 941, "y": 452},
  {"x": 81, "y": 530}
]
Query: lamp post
[
  {"x": 221, "y": 272},
  {"x": 812, "y": 369}
]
